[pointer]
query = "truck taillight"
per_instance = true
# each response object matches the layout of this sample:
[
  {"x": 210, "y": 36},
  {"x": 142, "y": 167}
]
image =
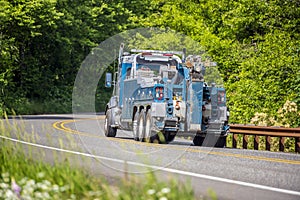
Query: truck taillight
[{"x": 159, "y": 93}]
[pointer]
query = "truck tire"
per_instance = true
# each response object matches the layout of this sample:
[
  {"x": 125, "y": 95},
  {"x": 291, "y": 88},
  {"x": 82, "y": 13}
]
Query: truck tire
[
  {"x": 108, "y": 130},
  {"x": 198, "y": 140},
  {"x": 148, "y": 127},
  {"x": 150, "y": 135},
  {"x": 221, "y": 142},
  {"x": 141, "y": 125},
  {"x": 135, "y": 127},
  {"x": 169, "y": 136}
]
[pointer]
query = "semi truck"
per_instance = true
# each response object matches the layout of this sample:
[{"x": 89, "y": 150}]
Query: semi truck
[{"x": 159, "y": 95}]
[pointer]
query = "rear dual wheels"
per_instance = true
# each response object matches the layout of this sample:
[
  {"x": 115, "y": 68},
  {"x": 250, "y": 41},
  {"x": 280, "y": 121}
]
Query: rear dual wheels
[
  {"x": 141, "y": 125},
  {"x": 198, "y": 140},
  {"x": 221, "y": 142},
  {"x": 149, "y": 134},
  {"x": 143, "y": 128},
  {"x": 135, "y": 126},
  {"x": 109, "y": 131},
  {"x": 169, "y": 136}
]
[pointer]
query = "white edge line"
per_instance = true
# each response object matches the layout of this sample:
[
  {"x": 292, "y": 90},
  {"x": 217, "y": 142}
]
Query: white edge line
[{"x": 180, "y": 172}]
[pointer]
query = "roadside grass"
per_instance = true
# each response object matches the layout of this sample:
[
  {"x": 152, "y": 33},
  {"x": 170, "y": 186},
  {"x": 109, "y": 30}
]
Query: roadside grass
[{"x": 24, "y": 175}]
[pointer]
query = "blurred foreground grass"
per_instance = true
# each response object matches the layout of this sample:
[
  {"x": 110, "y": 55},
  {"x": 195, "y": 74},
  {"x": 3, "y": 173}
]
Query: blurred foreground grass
[{"x": 23, "y": 175}]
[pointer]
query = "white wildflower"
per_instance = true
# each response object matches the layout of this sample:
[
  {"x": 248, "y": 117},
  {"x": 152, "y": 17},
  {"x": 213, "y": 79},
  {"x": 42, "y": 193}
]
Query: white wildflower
[
  {"x": 46, "y": 182},
  {"x": 73, "y": 196},
  {"x": 163, "y": 198},
  {"x": 151, "y": 191},
  {"x": 5, "y": 177},
  {"x": 64, "y": 188},
  {"x": 46, "y": 195},
  {"x": 165, "y": 190},
  {"x": 9, "y": 195},
  {"x": 23, "y": 181},
  {"x": 55, "y": 188},
  {"x": 28, "y": 189},
  {"x": 94, "y": 193},
  {"x": 4, "y": 185},
  {"x": 31, "y": 182},
  {"x": 42, "y": 186},
  {"x": 38, "y": 195}
]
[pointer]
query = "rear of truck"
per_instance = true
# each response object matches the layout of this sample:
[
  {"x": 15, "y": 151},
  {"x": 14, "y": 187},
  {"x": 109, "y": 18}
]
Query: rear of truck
[{"x": 160, "y": 95}]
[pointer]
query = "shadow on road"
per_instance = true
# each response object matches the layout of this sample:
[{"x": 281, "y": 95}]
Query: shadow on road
[
  {"x": 56, "y": 117},
  {"x": 175, "y": 142},
  {"x": 40, "y": 117}
]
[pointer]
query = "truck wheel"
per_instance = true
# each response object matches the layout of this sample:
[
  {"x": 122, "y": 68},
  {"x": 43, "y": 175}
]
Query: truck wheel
[
  {"x": 108, "y": 130},
  {"x": 170, "y": 136},
  {"x": 198, "y": 140},
  {"x": 221, "y": 142},
  {"x": 149, "y": 135},
  {"x": 141, "y": 125},
  {"x": 135, "y": 126}
]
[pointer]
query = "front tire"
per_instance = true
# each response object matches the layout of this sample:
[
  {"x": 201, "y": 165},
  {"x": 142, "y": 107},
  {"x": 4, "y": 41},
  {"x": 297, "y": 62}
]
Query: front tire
[{"x": 108, "y": 130}]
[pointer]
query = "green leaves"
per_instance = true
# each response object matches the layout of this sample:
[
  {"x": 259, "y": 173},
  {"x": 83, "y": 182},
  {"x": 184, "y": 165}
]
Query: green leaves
[
  {"x": 43, "y": 43},
  {"x": 255, "y": 43}
]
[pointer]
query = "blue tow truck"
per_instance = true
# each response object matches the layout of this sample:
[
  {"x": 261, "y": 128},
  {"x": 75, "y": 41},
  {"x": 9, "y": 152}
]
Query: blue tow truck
[{"x": 160, "y": 94}]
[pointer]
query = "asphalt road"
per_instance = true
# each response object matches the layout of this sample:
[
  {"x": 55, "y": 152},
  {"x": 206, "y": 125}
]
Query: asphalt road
[{"x": 230, "y": 173}]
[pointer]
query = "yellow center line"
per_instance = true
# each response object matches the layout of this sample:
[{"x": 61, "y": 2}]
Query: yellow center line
[{"x": 60, "y": 125}]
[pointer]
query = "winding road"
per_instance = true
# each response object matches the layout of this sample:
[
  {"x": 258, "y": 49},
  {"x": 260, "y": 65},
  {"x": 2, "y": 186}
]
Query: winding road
[{"x": 230, "y": 173}]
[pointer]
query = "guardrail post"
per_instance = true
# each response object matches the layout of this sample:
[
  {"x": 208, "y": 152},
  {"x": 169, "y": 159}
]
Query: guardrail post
[
  {"x": 268, "y": 143},
  {"x": 281, "y": 143},
  {"x": 256, "y": 142},
  {"x": 297, "y": 144},
  {"x": 267, "y": 133},
  {"x": 234, "y": 140},
  {"x": 245, "y": 141}
]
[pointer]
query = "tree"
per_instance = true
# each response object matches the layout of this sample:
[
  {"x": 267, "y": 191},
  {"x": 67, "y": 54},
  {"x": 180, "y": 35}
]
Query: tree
[{"x": 254, "y": 42}]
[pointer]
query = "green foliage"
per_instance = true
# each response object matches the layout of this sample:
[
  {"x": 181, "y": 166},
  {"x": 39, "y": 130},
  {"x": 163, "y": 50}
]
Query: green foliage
[
  {"x": 43, "y": 44},
  {"x": 254, "y": 42},
  {"x": 287, "y": 116},
  {"x": 164, "y": 39}
]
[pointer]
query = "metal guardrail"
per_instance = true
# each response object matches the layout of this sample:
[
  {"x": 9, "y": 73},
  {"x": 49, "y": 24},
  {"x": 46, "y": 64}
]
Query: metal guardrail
[{"x": 267, "y": 132}]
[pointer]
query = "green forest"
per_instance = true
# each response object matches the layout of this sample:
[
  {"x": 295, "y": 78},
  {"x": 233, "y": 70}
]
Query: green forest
[{"x": 256, "y": 44}]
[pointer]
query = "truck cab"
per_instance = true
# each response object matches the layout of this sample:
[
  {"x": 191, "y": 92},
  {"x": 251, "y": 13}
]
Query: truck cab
[{"x": 161, "y": 94}]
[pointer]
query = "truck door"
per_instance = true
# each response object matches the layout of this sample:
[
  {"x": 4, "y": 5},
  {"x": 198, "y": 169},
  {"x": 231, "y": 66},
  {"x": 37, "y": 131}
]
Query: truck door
[{"x": 130, "y": 88}]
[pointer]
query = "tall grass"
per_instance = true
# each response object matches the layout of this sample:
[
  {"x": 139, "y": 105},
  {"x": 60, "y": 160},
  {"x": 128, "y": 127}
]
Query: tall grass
[{"x": 24, "y": 176}]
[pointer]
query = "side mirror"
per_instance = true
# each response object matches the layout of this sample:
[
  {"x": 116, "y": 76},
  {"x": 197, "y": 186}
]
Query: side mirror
[{"x": 108, "y": 80}]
